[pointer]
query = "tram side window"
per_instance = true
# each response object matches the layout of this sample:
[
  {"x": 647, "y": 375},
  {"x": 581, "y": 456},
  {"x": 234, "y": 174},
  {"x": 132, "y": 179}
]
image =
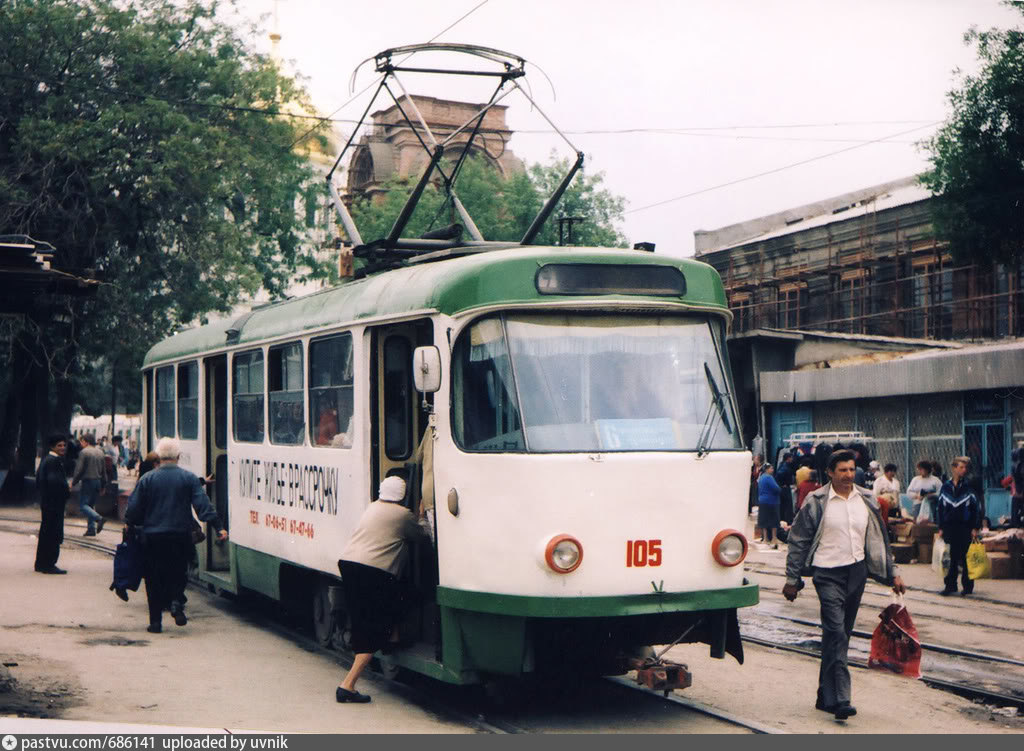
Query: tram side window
[
  {"x": 330, "y": 391},
  {"x": 486, "y": 413},
  {"x": 285, "y": 388},
  {"x": 188, "y": 400},
  {"x": 165, "y": 401},
  {"x": 247, "y": 396}
]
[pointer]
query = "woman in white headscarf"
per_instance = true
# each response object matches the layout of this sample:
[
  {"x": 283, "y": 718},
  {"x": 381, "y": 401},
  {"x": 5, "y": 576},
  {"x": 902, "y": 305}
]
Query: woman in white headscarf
[{"x": 370, "y": 566}]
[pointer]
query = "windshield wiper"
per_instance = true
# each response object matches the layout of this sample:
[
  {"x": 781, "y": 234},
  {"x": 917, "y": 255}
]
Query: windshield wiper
[
  {"x": 710, "y": 427},
  {"x": 718, "y": 397}
]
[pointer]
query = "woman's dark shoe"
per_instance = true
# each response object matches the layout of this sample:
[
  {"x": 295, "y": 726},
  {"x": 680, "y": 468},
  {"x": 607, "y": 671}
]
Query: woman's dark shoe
[{"x": 344, "y": 695}]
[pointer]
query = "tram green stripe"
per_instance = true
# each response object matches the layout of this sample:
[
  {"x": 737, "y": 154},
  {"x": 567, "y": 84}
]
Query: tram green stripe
[{"x": 598, "y": 607}]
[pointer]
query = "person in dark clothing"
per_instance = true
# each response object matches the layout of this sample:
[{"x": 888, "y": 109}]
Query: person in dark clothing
[
  {"x": 959, "y": 512},
  {"x": 161, "y": 505},
  {"x": 71, "y": 455},
  {"x": 768, "y": 503},
  {"x": 785, "y": 477},
  {"x": 52, "y": 483}
]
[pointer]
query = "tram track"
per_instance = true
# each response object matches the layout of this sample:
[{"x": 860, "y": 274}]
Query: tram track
[{"x": 969, "y": 692}]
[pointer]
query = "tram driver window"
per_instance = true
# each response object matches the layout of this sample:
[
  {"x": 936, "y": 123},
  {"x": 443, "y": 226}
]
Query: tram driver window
[
  {"x": 330, "y": 391},
  {"x": 284, "y": 375},
  {"x": 485, "y": 410},
  {"x": 247, "y": 396},
  {"x": 165, "y": 402}
]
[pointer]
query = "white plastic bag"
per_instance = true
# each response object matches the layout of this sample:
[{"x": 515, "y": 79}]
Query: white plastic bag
[
  {"x": 925, "y": 514},
  {"x": 938, "y": 549}
]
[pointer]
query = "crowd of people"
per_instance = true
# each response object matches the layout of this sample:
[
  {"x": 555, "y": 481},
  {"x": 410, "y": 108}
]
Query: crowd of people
[{"x": 160, "y": 509}]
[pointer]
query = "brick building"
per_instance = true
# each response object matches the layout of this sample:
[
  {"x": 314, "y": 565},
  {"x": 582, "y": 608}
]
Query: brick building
[
  {"x": 393, "y": 149},
  {"x": 850, "y": 314}
]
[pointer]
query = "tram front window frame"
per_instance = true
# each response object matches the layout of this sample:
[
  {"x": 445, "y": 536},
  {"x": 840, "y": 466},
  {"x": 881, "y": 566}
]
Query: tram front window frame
[{"x": 554, "y": 383}]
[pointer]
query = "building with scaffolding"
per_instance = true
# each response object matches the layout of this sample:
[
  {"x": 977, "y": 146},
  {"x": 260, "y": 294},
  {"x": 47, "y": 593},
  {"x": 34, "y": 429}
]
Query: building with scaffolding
[{"x": 851, "y": 314}]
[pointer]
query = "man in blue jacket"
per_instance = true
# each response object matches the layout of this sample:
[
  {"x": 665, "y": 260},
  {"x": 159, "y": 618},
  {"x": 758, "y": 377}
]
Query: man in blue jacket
[
  {"x": 838, "y": 537},
  {"x": 161, "y": 505},
  {"x": 959, "y": 520}
]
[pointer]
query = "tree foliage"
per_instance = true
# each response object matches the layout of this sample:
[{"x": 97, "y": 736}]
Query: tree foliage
[
  {"x": 502, "y": 208},
  {"x": 152, "y": 147},
  {"x": 977, "y": 155}
]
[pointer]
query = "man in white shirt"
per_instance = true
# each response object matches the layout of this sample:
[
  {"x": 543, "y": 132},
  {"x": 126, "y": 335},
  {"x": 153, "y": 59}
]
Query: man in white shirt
[{"x": 839, "y": 538}]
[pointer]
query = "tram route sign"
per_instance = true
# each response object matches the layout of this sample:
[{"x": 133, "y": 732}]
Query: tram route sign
[{"x": 625, "y": 435}]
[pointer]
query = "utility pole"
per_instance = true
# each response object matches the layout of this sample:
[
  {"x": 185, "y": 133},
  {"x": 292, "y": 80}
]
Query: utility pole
[{"x": 564, "y": 221}]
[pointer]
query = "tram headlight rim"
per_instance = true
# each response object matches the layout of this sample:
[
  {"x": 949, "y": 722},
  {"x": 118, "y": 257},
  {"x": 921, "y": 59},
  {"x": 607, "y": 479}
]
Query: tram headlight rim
[
  {"x": 549, "y": 553},
  {"x": 716, "y": 547}
]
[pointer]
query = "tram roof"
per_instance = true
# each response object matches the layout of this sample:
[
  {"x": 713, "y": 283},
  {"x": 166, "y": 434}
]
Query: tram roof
[{"x": 450, "y": 286}]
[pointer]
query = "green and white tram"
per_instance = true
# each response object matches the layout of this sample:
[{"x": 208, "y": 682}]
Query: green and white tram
[
  {"x": 587, "y": 463},
  {"x": 585, "y": 454}
]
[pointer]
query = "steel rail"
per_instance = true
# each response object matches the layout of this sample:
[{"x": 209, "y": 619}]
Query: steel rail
[
  {"x": 960, "y": 689},
  {"x": 958, "y": 602},
  {"x": 696, "y": 706},
  {"x": 940, "y": 648}
]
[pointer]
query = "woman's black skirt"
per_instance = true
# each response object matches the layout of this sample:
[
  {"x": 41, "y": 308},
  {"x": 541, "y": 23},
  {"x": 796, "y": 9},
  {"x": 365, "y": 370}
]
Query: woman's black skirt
[
  {"x": 375, "y": 601},
  {"x": 768, "y": 516}
]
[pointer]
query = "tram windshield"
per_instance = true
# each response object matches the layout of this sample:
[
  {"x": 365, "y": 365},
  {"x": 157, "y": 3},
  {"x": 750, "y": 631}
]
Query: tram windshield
[{"x": 574, "y": 383}]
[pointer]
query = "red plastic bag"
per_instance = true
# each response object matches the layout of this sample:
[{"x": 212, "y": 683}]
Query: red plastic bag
[{"x": 894, "y": 645}]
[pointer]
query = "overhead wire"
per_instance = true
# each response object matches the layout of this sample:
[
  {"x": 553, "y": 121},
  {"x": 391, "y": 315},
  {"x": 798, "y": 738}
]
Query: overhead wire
[
  {"x": 376, "y": 81},
  {"x": 778, "y": 169}
]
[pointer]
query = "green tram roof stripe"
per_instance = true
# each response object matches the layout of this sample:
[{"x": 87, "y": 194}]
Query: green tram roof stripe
[{"x": 504, "y": 277}]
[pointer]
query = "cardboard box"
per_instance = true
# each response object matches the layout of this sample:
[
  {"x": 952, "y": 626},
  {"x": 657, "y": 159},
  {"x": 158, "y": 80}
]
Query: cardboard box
[
  {"x": 924, "y": 552},
  {"x": 900, "y": 531},
  {"x": 1002, "y": 565},
  {"x": 996, "y": 546},
  {"x": 924, "y": 532},
  {"x": 904, "y": 552}
]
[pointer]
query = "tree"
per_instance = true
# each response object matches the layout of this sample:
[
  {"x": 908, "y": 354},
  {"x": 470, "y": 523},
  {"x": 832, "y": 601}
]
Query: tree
[
  {"x": 977, "y": 155},
  {"x": 148, "y": 143},
  {"x": 502, "y": 208}
]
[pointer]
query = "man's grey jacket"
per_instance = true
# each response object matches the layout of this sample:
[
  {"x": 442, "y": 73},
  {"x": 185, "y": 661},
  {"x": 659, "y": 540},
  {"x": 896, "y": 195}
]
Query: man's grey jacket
[{"x": 805, "y": 534}]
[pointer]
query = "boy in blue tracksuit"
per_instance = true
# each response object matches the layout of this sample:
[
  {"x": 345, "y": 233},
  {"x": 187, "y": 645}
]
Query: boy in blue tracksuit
[{"x": 959, "y": 519}]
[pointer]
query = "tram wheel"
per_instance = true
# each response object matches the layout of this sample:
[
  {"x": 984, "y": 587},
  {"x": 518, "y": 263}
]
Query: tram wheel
[{"x": 324, "y": 623}]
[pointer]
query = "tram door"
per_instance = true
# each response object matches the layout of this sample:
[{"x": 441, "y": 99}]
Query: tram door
[
  {"x": 399, "y": 419},
  {"x": 398, "y": 424},
  {"x": 217, "y": 455}
]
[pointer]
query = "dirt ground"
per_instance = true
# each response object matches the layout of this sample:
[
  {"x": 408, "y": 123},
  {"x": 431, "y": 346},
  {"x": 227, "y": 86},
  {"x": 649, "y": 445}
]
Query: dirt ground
[{"x": 77, "y": 652}]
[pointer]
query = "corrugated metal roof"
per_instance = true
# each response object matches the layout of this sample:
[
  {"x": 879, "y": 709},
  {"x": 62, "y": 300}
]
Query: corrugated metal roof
[
  {"x": 979, "y": 367},
  {"x": 818, "y": 214}
]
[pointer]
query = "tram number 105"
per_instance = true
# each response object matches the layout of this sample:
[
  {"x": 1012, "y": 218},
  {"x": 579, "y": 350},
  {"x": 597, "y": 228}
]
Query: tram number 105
[{"x": 642, "y": 553}]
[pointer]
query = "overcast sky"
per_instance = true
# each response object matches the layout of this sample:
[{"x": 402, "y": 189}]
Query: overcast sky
[{"x": 745, "y": 87}]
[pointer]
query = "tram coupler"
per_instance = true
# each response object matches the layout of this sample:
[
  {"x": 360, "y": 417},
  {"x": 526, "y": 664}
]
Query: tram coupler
[{"x": 661, "y": 675}]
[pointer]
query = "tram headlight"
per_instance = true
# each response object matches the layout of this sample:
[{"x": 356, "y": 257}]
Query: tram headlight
[
  {"x": 563, "y": 554},
  {"x": 729, "y": 547}
]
